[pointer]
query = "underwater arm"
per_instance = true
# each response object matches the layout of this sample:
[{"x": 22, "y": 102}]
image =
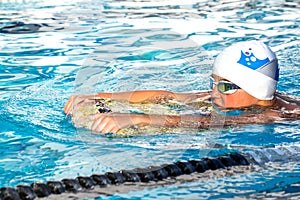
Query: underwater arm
[
  {"x": 112, "y": 122},
  {"x": 267, "y": 117}
]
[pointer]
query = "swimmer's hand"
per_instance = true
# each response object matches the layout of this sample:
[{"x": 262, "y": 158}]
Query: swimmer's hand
[
  {"x": 75, "y": 101},
  {"x": 112, "y": 122},
  {"x": 83, "y": 99}
]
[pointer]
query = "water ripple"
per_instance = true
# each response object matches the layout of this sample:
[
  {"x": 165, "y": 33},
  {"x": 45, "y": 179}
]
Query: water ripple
[{"x": 67, "y": 47}]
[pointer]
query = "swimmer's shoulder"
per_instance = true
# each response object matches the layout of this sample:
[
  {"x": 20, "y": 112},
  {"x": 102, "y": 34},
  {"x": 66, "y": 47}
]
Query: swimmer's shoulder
[{"x": 286, "y": 101}]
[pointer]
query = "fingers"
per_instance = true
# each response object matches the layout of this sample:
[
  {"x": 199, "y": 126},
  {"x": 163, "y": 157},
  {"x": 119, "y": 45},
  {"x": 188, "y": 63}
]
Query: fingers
[
  {"x": 78, "y": 100},
  {"x": 98, "y": 119},
  {"x": 114, "y": 130},
  {"x": 73, "y": 101},
  {"x": 104, "y": 124},
  {"x": 69, "y": 105},
  {"x": 110, "y": 128}
]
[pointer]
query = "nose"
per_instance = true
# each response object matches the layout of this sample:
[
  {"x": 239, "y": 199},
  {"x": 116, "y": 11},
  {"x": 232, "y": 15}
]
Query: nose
[
  {"x": 215, "y": 93},
  {"x": 216, "y": 97}
]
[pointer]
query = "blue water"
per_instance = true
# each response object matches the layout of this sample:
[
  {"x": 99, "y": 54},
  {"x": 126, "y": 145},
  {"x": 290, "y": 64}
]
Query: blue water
[{"x": 88, "y": 46}]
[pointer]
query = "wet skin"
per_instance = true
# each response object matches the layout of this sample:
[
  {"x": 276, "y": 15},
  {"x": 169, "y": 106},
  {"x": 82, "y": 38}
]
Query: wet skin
[{"x": 277, "y": 109}]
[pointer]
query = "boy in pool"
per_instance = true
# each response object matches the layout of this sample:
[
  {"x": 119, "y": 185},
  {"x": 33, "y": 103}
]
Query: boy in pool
[{"x": 243, "y": 83}]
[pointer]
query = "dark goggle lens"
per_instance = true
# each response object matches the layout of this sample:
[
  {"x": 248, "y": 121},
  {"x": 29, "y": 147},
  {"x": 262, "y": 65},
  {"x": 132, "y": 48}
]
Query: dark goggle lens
[
  {"x": 227, "y": 88},
  {"x": 224, "y": 86}
]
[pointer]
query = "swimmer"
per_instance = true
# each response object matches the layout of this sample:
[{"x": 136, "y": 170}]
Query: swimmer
[{"x": 243, "y": 88}]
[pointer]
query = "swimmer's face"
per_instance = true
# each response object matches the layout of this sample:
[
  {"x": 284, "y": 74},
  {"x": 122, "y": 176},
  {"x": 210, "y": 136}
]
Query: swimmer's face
[{"x": 239, "y": 98}]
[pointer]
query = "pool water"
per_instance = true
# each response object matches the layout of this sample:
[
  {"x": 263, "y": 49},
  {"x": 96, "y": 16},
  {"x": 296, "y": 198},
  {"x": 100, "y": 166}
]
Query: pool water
[{"x": 51, "y": 50}]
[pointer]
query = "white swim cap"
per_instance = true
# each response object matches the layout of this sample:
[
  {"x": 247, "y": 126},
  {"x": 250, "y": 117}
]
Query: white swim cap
[{"x": 252, "y": 66}]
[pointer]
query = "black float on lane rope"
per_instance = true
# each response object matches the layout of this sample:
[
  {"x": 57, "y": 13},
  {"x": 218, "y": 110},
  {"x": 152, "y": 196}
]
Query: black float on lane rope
[{"x": 152, "y": 173}]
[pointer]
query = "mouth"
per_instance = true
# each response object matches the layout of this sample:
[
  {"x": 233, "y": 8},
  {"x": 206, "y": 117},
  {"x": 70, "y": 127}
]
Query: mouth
[{"x": 218, "y": 103}]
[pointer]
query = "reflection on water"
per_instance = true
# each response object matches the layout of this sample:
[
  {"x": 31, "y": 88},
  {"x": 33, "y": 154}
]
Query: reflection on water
[{"x": 50, "y": 50}]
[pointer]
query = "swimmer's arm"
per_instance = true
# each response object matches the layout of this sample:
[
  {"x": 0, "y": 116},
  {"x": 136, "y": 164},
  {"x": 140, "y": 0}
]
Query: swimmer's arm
[
  {"x": 186, "y": 121},
  {"x": 138, "y": 96},
  {"x": 112, "y": 122},
  {"x": 286, "y": 102},
  {"x": 141, "y": 96}
]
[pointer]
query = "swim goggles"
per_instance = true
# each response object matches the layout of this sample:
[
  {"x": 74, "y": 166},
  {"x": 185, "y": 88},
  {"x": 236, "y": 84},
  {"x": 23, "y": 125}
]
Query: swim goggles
[{"x": 224, "y": 87}]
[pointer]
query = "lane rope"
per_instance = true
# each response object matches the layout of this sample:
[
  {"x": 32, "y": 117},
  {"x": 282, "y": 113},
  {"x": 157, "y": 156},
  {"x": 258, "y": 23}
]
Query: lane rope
[{"x": 151, "y": 173}]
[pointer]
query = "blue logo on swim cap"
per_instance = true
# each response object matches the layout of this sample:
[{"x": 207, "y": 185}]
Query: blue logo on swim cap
[{"x": 249, "y": 60}]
